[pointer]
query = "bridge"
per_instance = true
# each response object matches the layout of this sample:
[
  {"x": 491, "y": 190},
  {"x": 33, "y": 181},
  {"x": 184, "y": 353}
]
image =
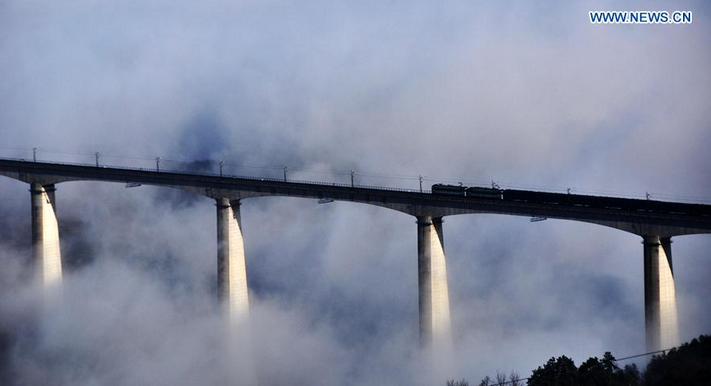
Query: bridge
[{"x": 655, "y": 221}]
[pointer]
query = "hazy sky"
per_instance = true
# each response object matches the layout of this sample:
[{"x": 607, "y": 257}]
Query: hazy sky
[{"x": 526, "y": 94}]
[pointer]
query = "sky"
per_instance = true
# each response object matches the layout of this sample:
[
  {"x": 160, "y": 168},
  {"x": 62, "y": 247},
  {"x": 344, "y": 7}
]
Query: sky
[{"x": 527, "y": 94}]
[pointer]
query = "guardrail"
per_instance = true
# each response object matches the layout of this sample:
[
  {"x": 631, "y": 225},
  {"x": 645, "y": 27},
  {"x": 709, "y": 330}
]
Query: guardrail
[
  {"x": 334, "y": 184},
  {"x": 209, "y": 174}
]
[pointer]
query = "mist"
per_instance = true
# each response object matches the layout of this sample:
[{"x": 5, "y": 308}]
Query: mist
[{"x": 527, "y": 95}]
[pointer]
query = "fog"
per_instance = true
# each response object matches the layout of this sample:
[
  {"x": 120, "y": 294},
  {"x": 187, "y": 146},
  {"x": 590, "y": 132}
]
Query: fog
[{"x": 527, "y": 95}]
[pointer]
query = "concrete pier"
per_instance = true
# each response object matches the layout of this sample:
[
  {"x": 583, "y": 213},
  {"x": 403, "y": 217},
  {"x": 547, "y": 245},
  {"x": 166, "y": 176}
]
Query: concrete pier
[
  {"x": 46, "y": 253},
  {"x": 660, "y": 313},
  {"x": 231, "y": 268},
  {"x": 435, "y": 325}
]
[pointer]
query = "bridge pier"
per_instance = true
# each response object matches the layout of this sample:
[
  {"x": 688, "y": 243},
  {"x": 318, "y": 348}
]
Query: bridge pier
[
  {"x": 660, "y": 313},
  {"x": 46, "y": 253},
  {"x": 435, "y": 325},
  {"x": 231, "y": 267}
]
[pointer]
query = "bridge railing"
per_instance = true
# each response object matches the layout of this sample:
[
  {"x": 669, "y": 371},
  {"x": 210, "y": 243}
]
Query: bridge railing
[
  {"x": 212, "y": 174},
  {"x": 207, "y": 167}
]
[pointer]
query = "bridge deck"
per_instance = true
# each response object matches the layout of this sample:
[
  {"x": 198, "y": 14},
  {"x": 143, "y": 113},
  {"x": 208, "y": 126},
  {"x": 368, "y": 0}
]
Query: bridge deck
[{"x": 666, "y": 219}]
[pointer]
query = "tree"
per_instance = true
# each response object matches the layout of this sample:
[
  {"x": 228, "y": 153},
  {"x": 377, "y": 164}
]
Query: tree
[
  {"x": 689, "y": 365},
  {"x": 593, "y": 373},
  {"x": 556, "y": 372},
  {"x": 630, "y": 375},
  {"x": 515, "y": 379},
  {"x": 605, "y": 372}
]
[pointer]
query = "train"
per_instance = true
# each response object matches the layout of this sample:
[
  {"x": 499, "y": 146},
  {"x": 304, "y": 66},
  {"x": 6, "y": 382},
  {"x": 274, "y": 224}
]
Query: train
[
  {"x": 573, "y": 200},
  {"x": 459, "y": 190}
]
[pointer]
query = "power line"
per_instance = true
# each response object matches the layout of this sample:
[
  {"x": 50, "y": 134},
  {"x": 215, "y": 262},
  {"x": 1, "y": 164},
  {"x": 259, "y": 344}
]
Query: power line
[{"x": 647, "y": 353}]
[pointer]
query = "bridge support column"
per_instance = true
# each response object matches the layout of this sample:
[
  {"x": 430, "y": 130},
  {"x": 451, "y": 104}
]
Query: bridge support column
[
  {"x": 231, "y": 267},
  {"x": 435, "y": 325},
  {"x": 662, "y": 330},
  {"x": 46, "y": 254}
]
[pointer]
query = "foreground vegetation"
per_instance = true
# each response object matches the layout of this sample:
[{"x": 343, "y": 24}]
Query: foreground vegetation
[{"x": 690, "y": 365}]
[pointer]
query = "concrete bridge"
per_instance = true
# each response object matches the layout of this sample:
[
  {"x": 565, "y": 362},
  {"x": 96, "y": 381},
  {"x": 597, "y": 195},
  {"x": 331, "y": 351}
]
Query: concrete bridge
[{"x": 656, "y": 227}]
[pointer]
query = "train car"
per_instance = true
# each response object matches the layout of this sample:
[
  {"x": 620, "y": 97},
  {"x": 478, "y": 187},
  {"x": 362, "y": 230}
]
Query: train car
[
  {"x": 450, "y": 190},
  {"x": 575, "y": 200},
  {"x": 533, "y": 197},
  {"x": 478, "y": 192},
  {"x": 694, "y": 209},
  {"x": 608, "y": 203}
]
